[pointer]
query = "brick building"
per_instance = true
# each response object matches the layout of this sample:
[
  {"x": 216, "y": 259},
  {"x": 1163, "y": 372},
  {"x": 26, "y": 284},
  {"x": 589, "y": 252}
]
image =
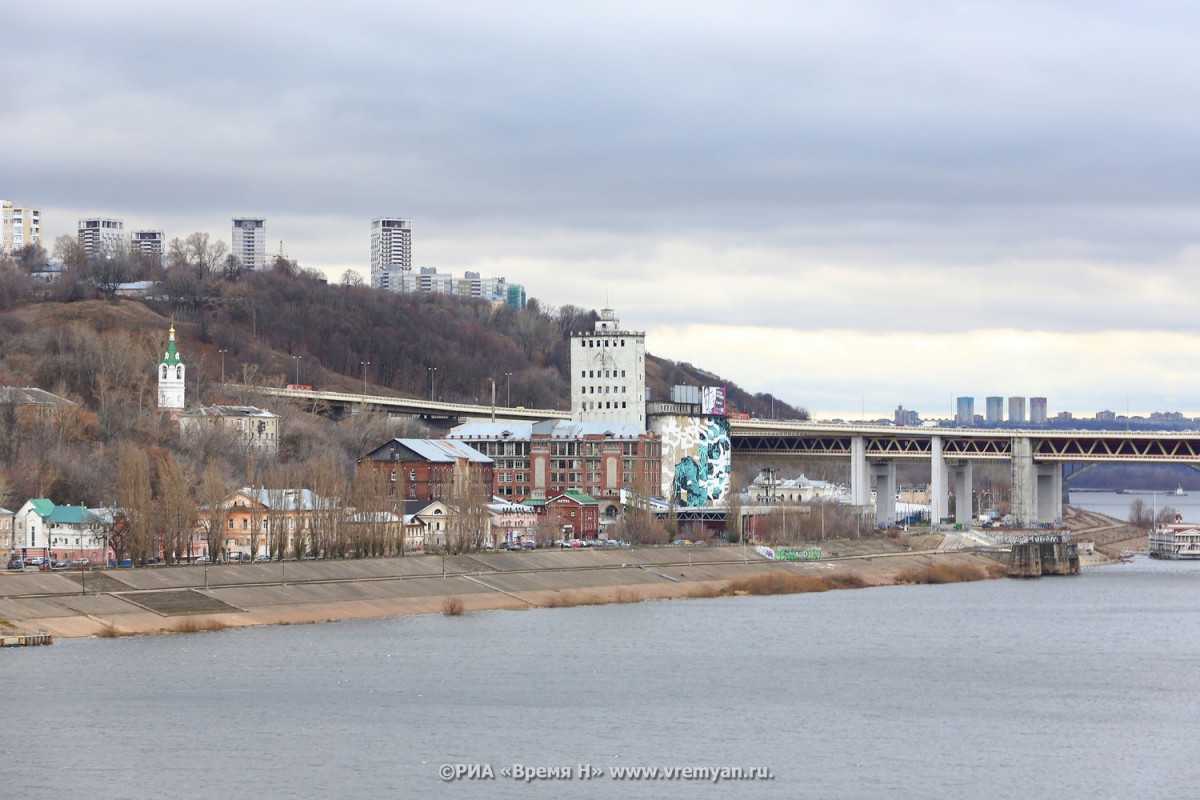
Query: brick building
[
  {"x": 556, "y": 456},
  {"x": 425, "y": 469}
]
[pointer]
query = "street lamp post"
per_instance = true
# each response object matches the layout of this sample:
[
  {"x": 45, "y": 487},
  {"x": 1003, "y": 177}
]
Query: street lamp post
[
  {"x": 431, "y": 371},
  {"x": 364, "y": 365},
  {"x": 508, "y": 388},
  {"x": 223, "y": 352},
  {"x": 297, "y": 360}
]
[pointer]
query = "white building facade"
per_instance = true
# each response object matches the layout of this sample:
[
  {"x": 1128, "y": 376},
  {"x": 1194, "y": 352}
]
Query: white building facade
[
  {"x": 250, "y": 242},
  {"x": 19, "y": 226},
  {"x": 608, "y": 373},
  {"x": 148, "y": 243},
  {"x": 391, "y": 253},
  {"x": 101, "y": 237}
]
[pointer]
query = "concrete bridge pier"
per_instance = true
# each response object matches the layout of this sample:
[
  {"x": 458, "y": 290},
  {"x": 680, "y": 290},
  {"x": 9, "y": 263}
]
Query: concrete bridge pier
[
  {"x": 860, "y": 481},
  {"x": 938, "y": 488},
  {"x": 885, "y": 492},
  {"x": 962, "y": 473},
  {"x": 1036, "y": 488}
]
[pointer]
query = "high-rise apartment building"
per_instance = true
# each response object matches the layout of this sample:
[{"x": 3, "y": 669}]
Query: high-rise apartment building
[
  {"x": 19, "y": 226},
  {"x": 995, "y": 410},
  {"x": 391, "y": 253},
  {"x": 250, "y": 242},
  {"x": 608, "y": 373},
  {"x": 964, "y": 411},
  {"x": 101, "y": 237},
  {"x": 146, "y": 242},
  {"x": 1016, "y": 410},
  {"x": 1037, "y": 410}
]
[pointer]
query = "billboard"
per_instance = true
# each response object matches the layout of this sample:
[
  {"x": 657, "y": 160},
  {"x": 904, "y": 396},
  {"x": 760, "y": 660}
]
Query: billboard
[{"x": 713, "y": 401}]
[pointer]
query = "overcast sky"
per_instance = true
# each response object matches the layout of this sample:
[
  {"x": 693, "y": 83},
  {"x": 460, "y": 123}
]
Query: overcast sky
[{"x": 855, "y": 205}]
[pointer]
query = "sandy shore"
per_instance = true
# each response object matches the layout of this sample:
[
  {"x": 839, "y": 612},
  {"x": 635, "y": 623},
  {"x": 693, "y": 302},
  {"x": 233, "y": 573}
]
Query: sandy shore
[{"x": 168, "y": 599}]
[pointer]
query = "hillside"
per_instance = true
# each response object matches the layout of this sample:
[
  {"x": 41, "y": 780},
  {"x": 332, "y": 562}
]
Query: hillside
[{"x": 280, "y": 326}]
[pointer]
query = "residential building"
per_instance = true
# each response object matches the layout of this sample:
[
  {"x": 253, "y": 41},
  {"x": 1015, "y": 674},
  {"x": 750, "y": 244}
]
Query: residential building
[
  {"x": 385, "y": 532},
  {"x": 101, "y": 237},
  {"x": 964, "y": 411},
  {"x": 34, "y": 403},
  {"x": 1037, "y": 410},
  {"x": 555, "y": 456},
  {"x": 574, "y": 515},
  {"x": 249, "y": 243},
  {"x": 251, "y": 427},
  {"x": 59, "y": 533},
  {"x": 904, "y": 416},
  {"x": 149, "y": 243},
  {"x": 267, "y": 522},
  {"x": 995, "y": 410},
  {"x": 1016, "y": 410},
  {"x": 512, "y": 523},
  {"x": 427, "y": 469},
  {"x": 19, "y": 226},
  {"x": 608, "y": 373},
  {"x": 434, "y": 519},
  {"x": 171, "y": 378},
  {"x": 391, "y": 252},
  {"x": 8, "y": 537}
]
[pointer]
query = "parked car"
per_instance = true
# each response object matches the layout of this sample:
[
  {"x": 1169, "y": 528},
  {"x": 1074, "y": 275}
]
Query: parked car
[
  {"x": 510, "y": 546},
  {"x": 529, "y": 545},
  {"x": 16, "y": 563}
]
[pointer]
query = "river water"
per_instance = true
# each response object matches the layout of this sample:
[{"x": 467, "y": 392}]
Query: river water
[{"x": 1064, "y": 687}]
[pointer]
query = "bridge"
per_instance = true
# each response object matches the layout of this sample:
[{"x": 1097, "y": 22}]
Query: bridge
[
  {"x": 1037, "y": 458},
  {"x": 406, "y": 405}
]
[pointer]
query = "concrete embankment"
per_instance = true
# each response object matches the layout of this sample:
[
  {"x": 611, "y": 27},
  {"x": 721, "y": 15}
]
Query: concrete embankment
[{"x": 163, "y": 599}]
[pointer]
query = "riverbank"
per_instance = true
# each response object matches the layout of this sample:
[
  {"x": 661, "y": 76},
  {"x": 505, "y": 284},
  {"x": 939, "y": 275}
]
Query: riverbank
[{"x": 169, "y": 599}]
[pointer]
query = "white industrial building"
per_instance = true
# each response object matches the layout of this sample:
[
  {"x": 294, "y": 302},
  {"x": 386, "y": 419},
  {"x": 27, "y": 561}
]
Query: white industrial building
[{"x": 608, "y": 373}]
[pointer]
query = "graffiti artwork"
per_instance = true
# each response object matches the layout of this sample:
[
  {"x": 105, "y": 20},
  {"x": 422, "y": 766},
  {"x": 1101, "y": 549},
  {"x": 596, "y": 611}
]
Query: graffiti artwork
[{"x": 696, "y": 460}]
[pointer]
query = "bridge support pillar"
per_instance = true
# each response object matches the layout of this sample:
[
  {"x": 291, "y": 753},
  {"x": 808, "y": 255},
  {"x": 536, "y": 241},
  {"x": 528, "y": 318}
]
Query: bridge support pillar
[
  {"x": 1024, "y": 482},
  {"x": 885, "y": 492},
  {"x": 963, "y": 475},
  {"x": 1036, "y": 488},
  {"x": 860, "y": 481},
  {"x": 939, "y": 494}
]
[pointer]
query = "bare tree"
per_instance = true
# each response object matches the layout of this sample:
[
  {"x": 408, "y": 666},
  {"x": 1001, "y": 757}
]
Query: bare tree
[
  {"x": 137, "y": 498},
  {"x": 469, "y": 524},
  {"x": 210, "y": 496},
  {"x": 69, "y": 251},
  {"x": 177, "y": 508}
]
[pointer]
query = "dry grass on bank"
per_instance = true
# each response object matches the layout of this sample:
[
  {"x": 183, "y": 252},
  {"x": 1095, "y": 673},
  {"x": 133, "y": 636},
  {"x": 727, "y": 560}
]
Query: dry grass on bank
[
  {"x": 572, "y": 599},
  {"x": 949, "y": 573},
  {"x": 194, "y": 625},
  {"x": 780, "y": 582},
  {"x": 452, "y": 606},
  {"x": 111, "y": 631}
]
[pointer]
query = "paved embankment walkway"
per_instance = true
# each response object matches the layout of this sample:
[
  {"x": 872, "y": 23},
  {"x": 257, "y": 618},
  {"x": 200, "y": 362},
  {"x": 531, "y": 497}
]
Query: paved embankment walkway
[{"x": 159, "y": 598}]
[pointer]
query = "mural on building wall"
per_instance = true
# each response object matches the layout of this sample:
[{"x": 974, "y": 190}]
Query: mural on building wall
[{"x": 695, "y": 460}]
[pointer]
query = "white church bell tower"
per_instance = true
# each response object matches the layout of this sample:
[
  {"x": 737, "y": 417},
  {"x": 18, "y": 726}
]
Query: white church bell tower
[{"x": 171, "y": 375}]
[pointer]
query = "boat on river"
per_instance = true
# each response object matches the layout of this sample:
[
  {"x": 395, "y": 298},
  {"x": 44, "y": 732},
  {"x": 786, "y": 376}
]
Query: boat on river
[{"x": 1178, "y": 540}]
